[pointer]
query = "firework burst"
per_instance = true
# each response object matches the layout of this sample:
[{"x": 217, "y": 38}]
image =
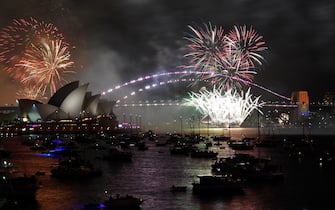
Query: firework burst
[
  {"x": 205, "y": 47},
  {"x": 44, "y": 64},
  {"x": 30, "y": 92},
  {"x": 247, "y": 44},
  {"x": 227, "y": 108},
  {"x": 231, "y": 57},
  {"x": 17, "y": 37},
  {"x": 35, "y": 53}
]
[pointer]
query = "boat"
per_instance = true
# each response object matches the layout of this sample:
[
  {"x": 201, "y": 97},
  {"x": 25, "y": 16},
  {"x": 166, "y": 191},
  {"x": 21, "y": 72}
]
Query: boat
[
  {"x": 179, "y": 150},
  {"x": 15, "y": 184},
  {"x": 161, "y": 140},
  {"x": 61, "y": 151},
  {"x": 161, "y": 143},
  {"x": 210, "y": 184},
  {"x": 248, "y": 167},
  {"x": 117, "y": 202},
  {"x": 221, "y": 138},
  {"x": 240, "y": 145},
  {"x": 126, "y": 202},
  {"x": 267, "y": 143},
  {"x": 203, "y": 154},
  {"x": 4, "y": 153},
  {"x": 142, "y": 146},
  {"x": 96, "y": 146},
  {"x": 37, "y": 147},
  {"x": 117, "y": 154},
  {"x": 234, "y": 162},
  {"x": 259, "y": 172},
  {"x": 72, "y": 168},
  {"x": 18, "y": 187},
  {"x": 180, "y": 188}
]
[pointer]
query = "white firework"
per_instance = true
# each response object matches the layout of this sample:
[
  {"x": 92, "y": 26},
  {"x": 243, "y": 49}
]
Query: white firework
[{"x": 228, "y": 107}]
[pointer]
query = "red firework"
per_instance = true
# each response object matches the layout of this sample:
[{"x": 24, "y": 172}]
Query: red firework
[
  {"x": 205, "y": 47},
  {"x": 35, "y": 53},
  {"x": 247, "y": 43}
]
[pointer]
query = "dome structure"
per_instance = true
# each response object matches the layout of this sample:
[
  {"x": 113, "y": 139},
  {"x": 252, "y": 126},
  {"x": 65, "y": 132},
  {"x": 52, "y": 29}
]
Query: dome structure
[
  {"x": 62, "y": 93},
  {"x": 73, "y": 102},
  {"x": 91, "y": 105}
]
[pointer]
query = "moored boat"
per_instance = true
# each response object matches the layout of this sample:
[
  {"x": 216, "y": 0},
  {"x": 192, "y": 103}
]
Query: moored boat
[
  {"x": 117, "y": 154},
  {"x": 142, "y": 146},
  {"x": 248, "y": 167},
  {"x": 117, "y": 202},
  {"x": 179, "y": 150},
  {"x": 175, "y": 188},
  {"x": 217, "y": 184},
  {"x": 74, "y": 168},
  {"x": 203, "y": 154},
  {"x": 19, "y": 187},
  {"x": 240, "y": 145},
  {"x": 13, "y": 183},
  {"x": 4, "y": 153}
]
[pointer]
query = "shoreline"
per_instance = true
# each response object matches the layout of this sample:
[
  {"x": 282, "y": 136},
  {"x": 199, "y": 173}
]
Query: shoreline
[{"x": 238, "y": 133}]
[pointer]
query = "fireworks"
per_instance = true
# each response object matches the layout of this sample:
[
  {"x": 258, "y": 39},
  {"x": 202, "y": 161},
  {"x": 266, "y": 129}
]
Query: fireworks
[
  {"x": 16, "y": 38},
  {"x": 231, "y": 57},
  {"x": 206, "y": 47},
  {"x": 45, "y": 64},
  {"x": 246, "y": 43},
  {"x": 30, "y": 92},
  {"x": 34, "y": 53},
  {"x": 227, "y": 108}
]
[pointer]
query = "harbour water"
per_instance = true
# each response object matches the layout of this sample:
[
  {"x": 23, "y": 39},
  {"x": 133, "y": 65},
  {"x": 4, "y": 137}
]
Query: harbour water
[{"x": 151, "y": 173}]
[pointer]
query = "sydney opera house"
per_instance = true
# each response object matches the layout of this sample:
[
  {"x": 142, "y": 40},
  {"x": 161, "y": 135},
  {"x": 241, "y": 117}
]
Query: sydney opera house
[{"x": 70, "y": 102}]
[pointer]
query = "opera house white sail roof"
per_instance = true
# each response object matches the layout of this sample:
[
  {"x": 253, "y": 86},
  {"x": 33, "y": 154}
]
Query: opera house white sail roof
[{"x": 69, "y": 102}]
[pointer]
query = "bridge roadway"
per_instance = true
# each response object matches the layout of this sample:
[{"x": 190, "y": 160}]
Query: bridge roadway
[{"x": 179, "y": 103}]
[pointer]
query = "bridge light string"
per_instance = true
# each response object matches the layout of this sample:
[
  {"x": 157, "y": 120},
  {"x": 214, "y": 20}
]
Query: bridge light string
[
  {"x": 148, "y": 77},
  {"x": 185, "y": 72},
  {"x": 150, "y": 86},
  {"x": 176, "y": 102}
]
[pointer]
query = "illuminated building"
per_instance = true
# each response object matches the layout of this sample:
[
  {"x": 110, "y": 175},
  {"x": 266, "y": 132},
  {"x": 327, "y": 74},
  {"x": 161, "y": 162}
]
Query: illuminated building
[
  {"x": 69, "y": 102},
  {"x": 301, "y": 98}
]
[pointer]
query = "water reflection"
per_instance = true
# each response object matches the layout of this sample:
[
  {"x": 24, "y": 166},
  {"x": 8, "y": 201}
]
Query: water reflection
[{"x": 152, "y": 172}]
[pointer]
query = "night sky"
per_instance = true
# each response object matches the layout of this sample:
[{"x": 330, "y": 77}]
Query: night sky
[{"x": 119, "y": 40}]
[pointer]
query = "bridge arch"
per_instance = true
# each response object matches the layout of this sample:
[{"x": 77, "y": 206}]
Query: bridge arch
[{"x": 182, "y": 75}]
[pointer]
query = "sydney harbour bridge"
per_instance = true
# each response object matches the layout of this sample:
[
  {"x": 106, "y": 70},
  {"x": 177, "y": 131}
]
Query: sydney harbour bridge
[{"x": 137, "y": 106}]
